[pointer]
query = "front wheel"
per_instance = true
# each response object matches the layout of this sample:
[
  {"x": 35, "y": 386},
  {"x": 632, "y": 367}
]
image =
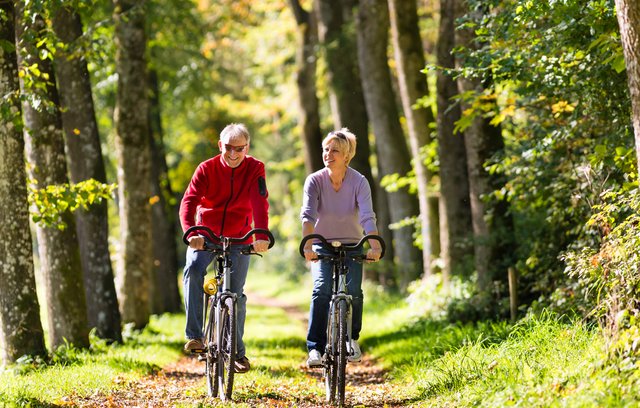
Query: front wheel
[
  {"x": 227, "y": 350},
  {"x": 212, "y": 355},
  {"x": 331, "y": 356},
  {"x": 341, "y": 363}
]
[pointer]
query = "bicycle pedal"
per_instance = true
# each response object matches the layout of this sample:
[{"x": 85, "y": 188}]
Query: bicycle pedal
[{"x": 197, "y": 351}]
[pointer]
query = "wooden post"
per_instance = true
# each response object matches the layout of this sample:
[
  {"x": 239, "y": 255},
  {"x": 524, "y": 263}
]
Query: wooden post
[{"x": 513, "y": 293}]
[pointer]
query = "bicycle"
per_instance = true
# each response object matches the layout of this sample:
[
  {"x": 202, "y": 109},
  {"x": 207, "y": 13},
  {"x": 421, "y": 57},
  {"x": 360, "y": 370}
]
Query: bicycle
[
  {"x": 219, "y": 314},
  {"x": 338, "y": 348}
]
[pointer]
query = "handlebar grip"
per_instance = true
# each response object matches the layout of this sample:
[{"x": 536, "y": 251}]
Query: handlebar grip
[{"x": 204, "y": 228}]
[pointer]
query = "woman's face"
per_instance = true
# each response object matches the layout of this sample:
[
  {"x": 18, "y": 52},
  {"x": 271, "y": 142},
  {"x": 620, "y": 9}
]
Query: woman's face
[
  {"x": 333, "y": 157},
  {"x": 233, "y": 150}
]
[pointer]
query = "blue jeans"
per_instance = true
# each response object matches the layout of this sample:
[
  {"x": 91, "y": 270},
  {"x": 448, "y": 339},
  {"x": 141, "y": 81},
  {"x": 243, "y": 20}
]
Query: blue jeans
[
  {"x": 322, "y": 274},
  {"x": 193, "y": 279}
]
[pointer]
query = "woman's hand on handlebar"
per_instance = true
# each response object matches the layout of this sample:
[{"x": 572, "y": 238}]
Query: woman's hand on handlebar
[
  {"x": 261, "y": 245},
  {"x": 373, "y": 255},
  {"x": 309, "y": 255},
  {"x": 196, "y": 242}
]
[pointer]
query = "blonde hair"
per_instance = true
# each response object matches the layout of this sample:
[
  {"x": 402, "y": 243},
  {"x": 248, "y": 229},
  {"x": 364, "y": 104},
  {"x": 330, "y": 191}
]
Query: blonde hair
[
  {"x": 345, "y": 142},
  {"x": 235, "y": 131}
]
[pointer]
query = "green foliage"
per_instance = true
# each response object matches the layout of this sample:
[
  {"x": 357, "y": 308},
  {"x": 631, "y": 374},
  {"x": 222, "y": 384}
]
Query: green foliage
[
  {"x": 608, "y": 274},
  {"x": 50, "y": 202},
  {"x": 556, "y": 88}
]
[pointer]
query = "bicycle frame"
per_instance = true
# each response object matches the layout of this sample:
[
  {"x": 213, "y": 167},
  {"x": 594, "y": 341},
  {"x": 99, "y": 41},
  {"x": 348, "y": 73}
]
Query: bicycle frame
[
  {"x": 340, "y": 315},
  {"x": 220, "y": 324}
]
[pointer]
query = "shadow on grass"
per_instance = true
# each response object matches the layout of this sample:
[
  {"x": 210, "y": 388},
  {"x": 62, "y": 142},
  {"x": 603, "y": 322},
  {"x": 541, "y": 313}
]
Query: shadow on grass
[{"x": 25, "y": 401}]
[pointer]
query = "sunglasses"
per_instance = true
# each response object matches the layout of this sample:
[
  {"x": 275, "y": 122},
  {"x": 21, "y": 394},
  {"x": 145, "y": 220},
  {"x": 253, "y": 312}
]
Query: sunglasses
[
  {"x": 237, "y": 149},
  {"x": 339, "y": 135}
]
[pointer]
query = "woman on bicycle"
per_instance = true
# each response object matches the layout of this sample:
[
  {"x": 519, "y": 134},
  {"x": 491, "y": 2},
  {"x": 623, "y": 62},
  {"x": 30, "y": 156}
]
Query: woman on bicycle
[
  {"x": 337, "y": 205},
  {"x": 228, "y": 194}
]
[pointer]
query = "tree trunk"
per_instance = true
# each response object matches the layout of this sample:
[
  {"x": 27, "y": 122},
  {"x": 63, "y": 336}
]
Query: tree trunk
[
  {"x": 629, "y": 21},
  {"x": 336, "y": 34},
  {"x": 134, "y": 157},
  {"x": 306, "y": 80},
  {"x": 393, "y": 154},
  {"x": 20, "y": 326},
  {"x": 409, "y": 57},
  {"x": 455, "y": 210},
  {"x": 58, "y": 248},
  {"x": 85, "y": 162},
  {"x": 165, "y": 296},
  {"x": 492, "y": 225}
]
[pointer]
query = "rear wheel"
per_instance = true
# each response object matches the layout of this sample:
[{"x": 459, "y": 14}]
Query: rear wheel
[
  {"x": 227, "y": 354},
  {"x": 341, "y": 360}
]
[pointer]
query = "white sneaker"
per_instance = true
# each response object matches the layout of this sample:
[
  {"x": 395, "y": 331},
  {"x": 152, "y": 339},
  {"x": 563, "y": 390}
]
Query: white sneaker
[
  {"x": 315, "y": 359},
  {"x": 356, "y": 354}
]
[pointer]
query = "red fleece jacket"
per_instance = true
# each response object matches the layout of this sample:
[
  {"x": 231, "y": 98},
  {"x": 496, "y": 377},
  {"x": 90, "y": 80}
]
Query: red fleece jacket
[{"x": 228, "y": 200}]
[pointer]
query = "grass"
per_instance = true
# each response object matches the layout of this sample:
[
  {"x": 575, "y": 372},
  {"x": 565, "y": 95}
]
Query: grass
[
  {"x": 83, "y": 372},
  {"x": 541, "y": 361}
]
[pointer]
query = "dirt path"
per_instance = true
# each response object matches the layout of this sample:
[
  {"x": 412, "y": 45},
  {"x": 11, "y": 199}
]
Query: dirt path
[{"x": 181, "y": 383}]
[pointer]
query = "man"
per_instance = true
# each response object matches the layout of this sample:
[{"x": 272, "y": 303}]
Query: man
[{"x": 227, "y": 193}]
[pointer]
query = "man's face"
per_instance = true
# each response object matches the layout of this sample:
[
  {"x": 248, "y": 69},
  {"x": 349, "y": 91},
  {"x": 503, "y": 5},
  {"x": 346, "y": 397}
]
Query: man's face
[{"x": 233, "y": 150}]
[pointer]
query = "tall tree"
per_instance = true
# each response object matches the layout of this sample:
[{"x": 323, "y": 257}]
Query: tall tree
[
  {"x": 58, "y": 247},
  {"x": 20, "y": 326},
  {"x": 306, "y": 58},
  {"x": 493, "y": 240},
  {"x": 84, "y": 156},
  {"x": 165, "y": 296},
  {"x": 392, "y": 151},
  {"x": 336, "y": 31},
  {"x": 628, "y": 12},
  {"x": 134, "y": 157},
  {"x": 455, "y": 210},
  {"x": 409, "y": 56}
]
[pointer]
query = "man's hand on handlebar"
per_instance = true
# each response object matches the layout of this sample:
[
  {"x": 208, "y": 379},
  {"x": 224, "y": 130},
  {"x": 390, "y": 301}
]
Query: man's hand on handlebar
[
  {"x": 261, "y": 245},
  {"x": 196, "y": 242}
]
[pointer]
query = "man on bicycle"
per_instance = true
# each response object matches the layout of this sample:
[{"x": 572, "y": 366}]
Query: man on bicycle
[{"x": 227, "y": 193}]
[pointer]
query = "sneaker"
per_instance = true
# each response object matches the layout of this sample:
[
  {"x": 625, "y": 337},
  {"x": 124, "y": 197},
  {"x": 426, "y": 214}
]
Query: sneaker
[
  {"x": 194, "y": 346},
  {"x": 242, "y": 365},
  {"x": 315, "y": 359},
  {"x": 356, "y": 354}
]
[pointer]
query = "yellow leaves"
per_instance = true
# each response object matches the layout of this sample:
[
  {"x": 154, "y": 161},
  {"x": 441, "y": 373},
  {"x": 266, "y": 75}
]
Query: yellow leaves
[
  {"x": 76, "y": 132},
  {"x": 153, "y": 200},
  {"x": 560, "y": 107}
]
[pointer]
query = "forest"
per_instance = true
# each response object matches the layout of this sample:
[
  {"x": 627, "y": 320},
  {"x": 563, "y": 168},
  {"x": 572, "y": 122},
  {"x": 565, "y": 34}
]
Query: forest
[{"x": 501, "y": 140}]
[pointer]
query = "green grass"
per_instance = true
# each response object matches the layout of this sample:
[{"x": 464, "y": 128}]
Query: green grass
[
  {"x": 541, "y": 361},
  {"x": 84, "y": 372}
]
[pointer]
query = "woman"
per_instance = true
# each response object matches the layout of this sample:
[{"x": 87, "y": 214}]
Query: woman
[{"x": 337, "y": 205}]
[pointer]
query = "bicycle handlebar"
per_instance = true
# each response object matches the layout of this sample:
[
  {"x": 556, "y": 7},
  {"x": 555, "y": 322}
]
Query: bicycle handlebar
[
  {"x": 346, "y": 247},
  {"x": 221, "y": 238}
]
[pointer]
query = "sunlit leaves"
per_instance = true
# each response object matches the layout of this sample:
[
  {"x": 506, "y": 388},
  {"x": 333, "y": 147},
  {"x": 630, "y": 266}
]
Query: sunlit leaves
[{"x": 50, "y": 202}]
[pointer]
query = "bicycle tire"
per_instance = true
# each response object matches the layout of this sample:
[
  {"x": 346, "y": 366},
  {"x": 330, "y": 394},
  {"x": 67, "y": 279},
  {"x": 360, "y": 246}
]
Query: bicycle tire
[
  {"x": 329, "y": 372},
  {"x": 209, "y": 338},
  {"x": 227, "y": 354},
  {"x": 341, "y": 363}
]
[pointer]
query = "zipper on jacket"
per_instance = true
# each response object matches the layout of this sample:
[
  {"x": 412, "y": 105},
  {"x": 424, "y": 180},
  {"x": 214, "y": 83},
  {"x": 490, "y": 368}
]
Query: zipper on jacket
[{"x": 224, "y": 213}]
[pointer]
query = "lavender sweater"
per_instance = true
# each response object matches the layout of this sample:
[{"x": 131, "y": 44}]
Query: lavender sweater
[{"x": 338, "y": 215}]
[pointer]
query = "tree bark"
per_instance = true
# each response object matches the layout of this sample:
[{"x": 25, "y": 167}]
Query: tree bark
[
  {"x": 492, "y": 225},
  {"x": 58, "y": 248},
  {"x": 455, "y": 210},
  {"x": 20, "y": 326},
  {"x": 165, "y": 296},
  {"x": 628, "y": 13},
  {"x": 346, "y": 97},
  {"x": 393, "y": 154},
  {"x": 86, "y": 162},
  {"x": 412, "y": 83},
  {"x": 306, "y": 58},
  {"x": 132, "y": 145}
]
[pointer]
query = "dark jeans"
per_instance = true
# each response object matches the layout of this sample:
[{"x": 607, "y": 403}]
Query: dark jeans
[{"x": 322, "y": 273}]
